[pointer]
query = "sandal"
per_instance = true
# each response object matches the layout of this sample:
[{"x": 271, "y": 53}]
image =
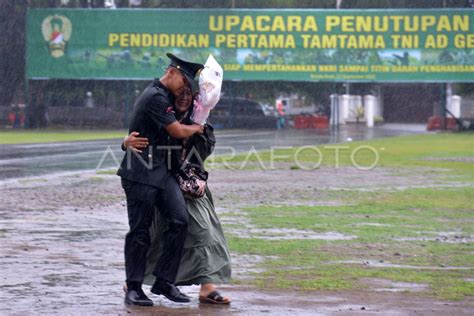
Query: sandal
[{"x": 213, "y": 298}]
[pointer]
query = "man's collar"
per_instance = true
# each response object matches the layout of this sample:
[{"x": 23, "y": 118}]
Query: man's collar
[{"x": 157, "y": 83}]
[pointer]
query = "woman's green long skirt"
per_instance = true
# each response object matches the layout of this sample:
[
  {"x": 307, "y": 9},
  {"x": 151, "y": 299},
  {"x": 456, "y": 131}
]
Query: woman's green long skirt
[{"x": 206, "y": 257}]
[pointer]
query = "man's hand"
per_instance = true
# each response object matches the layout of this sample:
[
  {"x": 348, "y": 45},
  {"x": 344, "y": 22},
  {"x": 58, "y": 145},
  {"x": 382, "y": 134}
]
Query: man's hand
[
  {"x": 135, "y": 143},
  {"x": 199, "y": 128},
  {"x": 180, "y": 131}
]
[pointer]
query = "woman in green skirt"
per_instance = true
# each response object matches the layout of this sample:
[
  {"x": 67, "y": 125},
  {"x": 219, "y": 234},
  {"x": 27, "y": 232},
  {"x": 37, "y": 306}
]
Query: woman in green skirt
[{"x": 206, "y": 258}]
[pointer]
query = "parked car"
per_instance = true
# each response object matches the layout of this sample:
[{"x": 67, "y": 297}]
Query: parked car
[{"x": 240, "y": 113}]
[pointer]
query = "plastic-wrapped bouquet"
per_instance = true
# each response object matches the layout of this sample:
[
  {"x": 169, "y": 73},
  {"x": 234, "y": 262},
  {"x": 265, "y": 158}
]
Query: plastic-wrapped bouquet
[{"x": 210, "y": 83}]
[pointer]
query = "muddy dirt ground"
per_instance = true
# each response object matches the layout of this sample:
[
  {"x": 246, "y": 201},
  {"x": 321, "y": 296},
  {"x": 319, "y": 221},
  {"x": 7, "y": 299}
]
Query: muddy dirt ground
[{"x": 62, "y": 241}]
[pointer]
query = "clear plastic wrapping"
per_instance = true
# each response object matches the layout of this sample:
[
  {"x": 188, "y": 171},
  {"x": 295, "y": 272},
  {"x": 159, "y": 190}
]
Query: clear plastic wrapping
[{"x": 210, "y": 84}]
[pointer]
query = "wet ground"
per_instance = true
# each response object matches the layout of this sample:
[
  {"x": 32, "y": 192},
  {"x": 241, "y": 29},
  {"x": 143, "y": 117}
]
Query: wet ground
[
  {"x": 62, "y": 252},
  {"x": 37, "y": 159},
  {"x": 61, "y": 239}
]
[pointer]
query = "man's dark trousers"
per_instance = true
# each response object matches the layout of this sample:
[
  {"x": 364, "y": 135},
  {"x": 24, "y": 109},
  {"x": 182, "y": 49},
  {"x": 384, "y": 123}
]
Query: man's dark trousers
[{"x": 141, "y": 201}]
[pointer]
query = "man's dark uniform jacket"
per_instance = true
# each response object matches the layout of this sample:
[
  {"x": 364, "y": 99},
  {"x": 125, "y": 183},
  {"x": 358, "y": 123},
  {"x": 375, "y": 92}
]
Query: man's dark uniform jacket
[{"x": 152, "y": 111}]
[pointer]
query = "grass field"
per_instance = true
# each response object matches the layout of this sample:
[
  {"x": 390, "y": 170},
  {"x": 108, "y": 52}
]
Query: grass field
[
  {"x": 418, "y": 235},
  {"x": 397, "y": 229},
  {"x": 49, "y": 136},
  {"x": 444, "y": 152}
]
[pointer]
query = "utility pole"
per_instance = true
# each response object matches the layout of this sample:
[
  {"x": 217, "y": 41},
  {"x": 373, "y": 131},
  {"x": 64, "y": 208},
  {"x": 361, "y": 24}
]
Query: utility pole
[
  {"x": 335, "y": 96},
  {"x": 446, "y": 95},
  {"x": 338, "y": 6}
]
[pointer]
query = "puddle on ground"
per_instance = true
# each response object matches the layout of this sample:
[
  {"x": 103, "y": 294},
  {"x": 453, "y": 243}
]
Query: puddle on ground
[
  {"x": 311, "y": 203},
  {"x": 385, "y": 264},
  {"x": 453, "y": 159},
  {"x": 243, "y": 266},
  {"x": 383, "y": 285},
  {"x": 252, "y": 231},
  {"x": 287, "y": 234},
  {"x": 372, "y": 224},
  {"x": 444, "y": 237},
  {"x": 245, "y": 229}
]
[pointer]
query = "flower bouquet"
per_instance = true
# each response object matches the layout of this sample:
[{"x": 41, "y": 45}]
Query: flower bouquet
[{"x": 210, "y": 83}]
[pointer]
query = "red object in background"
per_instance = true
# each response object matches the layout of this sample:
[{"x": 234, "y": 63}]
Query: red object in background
[
  {"x": 311, "y": 121},
  {"x": 319, "y": 122},
  {"x": 11, "y": 118},
  {"x": 436, "y": 122},
  {"x": 302, "y": 121}
]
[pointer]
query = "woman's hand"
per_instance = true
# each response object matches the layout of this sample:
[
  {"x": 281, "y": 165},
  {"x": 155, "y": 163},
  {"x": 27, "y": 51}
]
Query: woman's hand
[{"x": 135, "y": 143}]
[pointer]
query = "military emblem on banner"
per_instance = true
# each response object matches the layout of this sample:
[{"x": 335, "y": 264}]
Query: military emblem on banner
[{"x": 56, "y": 31}]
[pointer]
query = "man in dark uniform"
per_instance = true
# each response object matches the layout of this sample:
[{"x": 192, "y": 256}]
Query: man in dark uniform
[{"x": 147, "y": 181}]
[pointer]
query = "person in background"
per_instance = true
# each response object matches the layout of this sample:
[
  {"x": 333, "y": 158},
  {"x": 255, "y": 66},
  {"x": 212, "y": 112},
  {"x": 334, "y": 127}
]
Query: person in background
[
  {"x": 11, "y": 116},
  {"x": 281, "y": 115}
]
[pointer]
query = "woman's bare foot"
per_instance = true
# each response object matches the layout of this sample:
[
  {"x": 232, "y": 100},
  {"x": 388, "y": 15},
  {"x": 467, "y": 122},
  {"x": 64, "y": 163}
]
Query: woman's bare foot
[{"x": 208, "y": 288}]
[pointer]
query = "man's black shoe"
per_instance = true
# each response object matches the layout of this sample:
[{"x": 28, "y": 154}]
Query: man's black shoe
[
  {"x": 137, "y": 297},
  {"x": 170, "y": 291}
]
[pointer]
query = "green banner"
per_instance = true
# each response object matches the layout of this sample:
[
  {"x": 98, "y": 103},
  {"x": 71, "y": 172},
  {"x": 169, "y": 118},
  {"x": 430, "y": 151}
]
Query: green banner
[{"x": 297, "y": 45}]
